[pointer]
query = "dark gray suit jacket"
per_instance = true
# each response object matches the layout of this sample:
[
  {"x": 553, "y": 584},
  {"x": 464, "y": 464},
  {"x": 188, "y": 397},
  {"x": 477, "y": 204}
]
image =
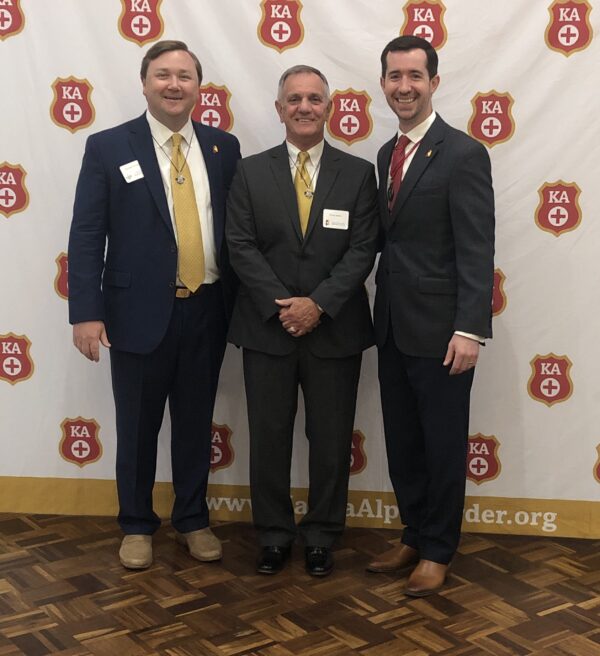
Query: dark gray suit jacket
[
  {"x": 436, "y": 269},
  {"x": 272, "y": 259}
]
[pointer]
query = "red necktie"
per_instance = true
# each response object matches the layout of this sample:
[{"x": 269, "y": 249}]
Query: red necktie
[{"x": 398, "y": 157}]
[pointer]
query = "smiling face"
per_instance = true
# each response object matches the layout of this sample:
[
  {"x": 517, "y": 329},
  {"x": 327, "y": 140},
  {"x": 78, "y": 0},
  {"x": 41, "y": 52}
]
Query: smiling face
[
  {"x": 408, "y": 88},
  {"x": 171, "y": 88},
  {"x": 303, "y": 106}
]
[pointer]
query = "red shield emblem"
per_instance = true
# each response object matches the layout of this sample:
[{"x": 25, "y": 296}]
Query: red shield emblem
[
  {"x": 16, "y": 364},
  {"x": 140, "y": 21},
  {"x": 221, "y": 454},
  {"x": 12, "y": 20},
  {"x": 550, "y": 381},
  {"x": 13, "y": 192},
  {"x": 212, "y": 107},
  {"x": 498, "y": 295},
  {"x": 492, "y": 122},
  {"x": 72, "y": 106},
  {"x": 61, "y": 286},
  {"x": 79, "y": 442},
  {"x": 350, "y": 119},
  {"x": 280, "y": 26},
  {"x": 426, "y": 20},
  {"x": 569, "y": 28},
  {"x": 483, "y": 463},
  {"x": 358, "y": 457},
  {"x": 558, "y": 210},
  {"x": 597, "y": 465}
]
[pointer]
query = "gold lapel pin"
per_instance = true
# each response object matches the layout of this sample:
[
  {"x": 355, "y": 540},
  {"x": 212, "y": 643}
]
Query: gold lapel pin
[
  {"x": 429, "y": 153},
  {"x": 215, "y": 149}
]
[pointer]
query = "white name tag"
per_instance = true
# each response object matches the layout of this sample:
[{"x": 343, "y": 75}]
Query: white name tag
[
  {"x": 132, "y": 171},
  {"x": 336, "y": 219}
]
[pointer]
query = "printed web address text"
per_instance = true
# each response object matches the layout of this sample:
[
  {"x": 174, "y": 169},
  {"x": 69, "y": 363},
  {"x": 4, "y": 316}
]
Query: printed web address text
[{"x": 474, "y": 514}]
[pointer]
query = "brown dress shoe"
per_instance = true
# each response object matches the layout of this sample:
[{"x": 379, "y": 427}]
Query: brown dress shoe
[
  {"x": 427, "y": 578},
  {"x": 394, "y": 559},
  {"x": 202, "y": 544},
  {"x": 136, "y": 551}
]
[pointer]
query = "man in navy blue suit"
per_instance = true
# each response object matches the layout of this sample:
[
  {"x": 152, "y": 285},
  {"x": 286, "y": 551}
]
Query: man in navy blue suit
[
  {"x": 128, "y": 292},
  {"x": 432, "y": 308}
]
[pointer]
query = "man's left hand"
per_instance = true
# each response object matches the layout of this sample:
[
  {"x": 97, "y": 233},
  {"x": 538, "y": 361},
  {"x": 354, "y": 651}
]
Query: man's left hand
[
  {"x": 299, "y": 314},
  {"x": 462, "y": 353}
]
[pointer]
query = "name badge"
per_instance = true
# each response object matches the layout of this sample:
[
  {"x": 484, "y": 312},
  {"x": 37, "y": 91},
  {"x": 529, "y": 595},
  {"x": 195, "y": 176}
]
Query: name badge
[
  {"x": 132, "y": 171},
  {"x": 336, "y": 219}
]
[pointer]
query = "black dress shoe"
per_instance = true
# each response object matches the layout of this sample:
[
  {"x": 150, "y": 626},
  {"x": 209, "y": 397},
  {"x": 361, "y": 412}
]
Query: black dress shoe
[
  {"x": 319, "y": 561},
  {"x": 272, "y": 559}
]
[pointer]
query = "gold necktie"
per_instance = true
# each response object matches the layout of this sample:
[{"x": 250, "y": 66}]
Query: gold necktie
[
  {"x": 190, "y": 262},
  {"x": 304, "y": 193}
]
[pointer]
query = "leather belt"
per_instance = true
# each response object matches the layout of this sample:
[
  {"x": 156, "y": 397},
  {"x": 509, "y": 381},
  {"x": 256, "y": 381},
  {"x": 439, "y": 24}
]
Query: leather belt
[{"x": 184, "y": 292}]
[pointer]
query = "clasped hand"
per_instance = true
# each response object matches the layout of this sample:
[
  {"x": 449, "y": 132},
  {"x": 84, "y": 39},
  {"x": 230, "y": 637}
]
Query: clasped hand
[{"x": 299, "y": 315}]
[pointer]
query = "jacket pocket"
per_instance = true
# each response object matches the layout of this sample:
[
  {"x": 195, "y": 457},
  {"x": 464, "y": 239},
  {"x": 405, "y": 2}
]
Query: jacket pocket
[
  {"x": 437, "y": 285},
  {"x": 116, "y": 278}
]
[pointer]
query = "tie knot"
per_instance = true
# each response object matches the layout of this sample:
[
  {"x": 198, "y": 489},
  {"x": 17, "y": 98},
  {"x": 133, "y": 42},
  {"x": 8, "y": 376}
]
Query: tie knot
[
  {"x": 176, "y": 139},
  {"x": 303, "y": 157},
  {"x": 402, "y": 142}
]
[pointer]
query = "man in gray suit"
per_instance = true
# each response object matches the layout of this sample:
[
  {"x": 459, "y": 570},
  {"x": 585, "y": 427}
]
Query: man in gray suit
[
  {"x": 302, "y": 231},
  {"x": 433, "y": 306}
]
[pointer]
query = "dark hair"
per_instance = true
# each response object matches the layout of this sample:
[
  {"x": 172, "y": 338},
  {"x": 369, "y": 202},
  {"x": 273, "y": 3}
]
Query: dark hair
[
  {"x": 411, "y": 43},
  {"x": 160, "y": 47},
  {"x": 295, "y": 70}
]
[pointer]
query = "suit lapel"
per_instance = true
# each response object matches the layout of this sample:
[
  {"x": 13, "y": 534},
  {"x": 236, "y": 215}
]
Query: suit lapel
[
  {"x": 425, "y": 154},
  {"x": 140, "y": 139},
  {"x": 383, "y": 162},
  {"x": 280, "y": 167},
  {"x": 211, "y": 155},
  {"x": 328, "y": 172}
]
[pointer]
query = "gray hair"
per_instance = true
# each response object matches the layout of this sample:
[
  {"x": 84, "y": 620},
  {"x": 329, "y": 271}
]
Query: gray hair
[{"x": 295, "y": 70}]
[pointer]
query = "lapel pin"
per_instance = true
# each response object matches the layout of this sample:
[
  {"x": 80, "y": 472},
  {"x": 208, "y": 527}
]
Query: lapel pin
[
  {"x": 216, "y": 149},
  {"x": 429, "y": 152}
]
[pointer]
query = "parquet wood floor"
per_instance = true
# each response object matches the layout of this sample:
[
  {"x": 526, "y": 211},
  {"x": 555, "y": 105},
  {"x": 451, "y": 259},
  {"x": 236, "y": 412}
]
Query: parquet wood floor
[{"x": 63, "y": 591}]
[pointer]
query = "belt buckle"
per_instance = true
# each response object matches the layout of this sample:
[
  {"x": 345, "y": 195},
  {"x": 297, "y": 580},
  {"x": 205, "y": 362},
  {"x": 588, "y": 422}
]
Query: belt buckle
[{"x": 182, "y": 292}]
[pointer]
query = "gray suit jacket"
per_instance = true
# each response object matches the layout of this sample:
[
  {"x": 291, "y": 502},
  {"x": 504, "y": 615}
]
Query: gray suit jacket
[
  {"x": 436, "y": 269},
  {"x": 273, "y": 260}
]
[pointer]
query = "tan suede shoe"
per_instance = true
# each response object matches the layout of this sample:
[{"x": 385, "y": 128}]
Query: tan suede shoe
[
  {"x": 136, "y": 551},
  {"x": 202, "y": 544},
  {"x": 394, "y": 559},
  {"x": 427, "y": 578}
]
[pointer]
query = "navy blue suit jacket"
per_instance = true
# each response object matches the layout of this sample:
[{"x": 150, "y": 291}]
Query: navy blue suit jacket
[{"x": 122, "y": 248}]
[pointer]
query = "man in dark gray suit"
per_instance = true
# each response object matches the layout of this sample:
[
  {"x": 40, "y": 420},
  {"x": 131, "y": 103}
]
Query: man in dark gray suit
[
  {"x": 301, "y": 230},
  {"x": 432, "y": 308}
]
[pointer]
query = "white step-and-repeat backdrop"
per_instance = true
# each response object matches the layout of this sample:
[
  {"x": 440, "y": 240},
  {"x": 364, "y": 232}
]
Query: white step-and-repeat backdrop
[{"x": 520, "y": 76}]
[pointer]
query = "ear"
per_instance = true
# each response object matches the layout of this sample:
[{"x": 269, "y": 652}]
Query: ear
[
  {"x": 279, "y": 109},
  {"x": 328, "y": 108},
  {"x": 434, "y": 83},
  {"x": 382, "y": 83}
]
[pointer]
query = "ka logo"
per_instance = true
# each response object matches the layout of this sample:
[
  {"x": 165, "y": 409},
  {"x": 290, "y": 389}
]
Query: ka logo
[
  {"x": 72, "y": 107},
  {"x": 426, "y": 20},
  {"x": 280, "y": 26},
  {"x": 140, "y": 21},
  {"x": 492, "y": 122}
]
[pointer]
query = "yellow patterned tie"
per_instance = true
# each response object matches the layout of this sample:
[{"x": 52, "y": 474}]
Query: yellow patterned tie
[
  {"x": 302, "y": 183},
  {"x": 190, "y": 263}
]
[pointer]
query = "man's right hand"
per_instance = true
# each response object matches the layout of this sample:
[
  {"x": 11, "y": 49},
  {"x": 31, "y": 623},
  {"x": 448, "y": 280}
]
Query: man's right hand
[{"x": 87, "y": 336}]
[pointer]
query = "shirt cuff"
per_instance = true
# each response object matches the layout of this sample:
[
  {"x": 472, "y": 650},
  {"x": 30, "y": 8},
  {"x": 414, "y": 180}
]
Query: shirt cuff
[{"x": 475, "y": 338}]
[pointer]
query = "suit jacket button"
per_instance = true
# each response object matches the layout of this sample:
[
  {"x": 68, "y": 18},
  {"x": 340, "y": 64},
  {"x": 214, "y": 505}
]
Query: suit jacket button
[
  {"x": 171, "y": 284},
  {"x": 173, "y": 248}
]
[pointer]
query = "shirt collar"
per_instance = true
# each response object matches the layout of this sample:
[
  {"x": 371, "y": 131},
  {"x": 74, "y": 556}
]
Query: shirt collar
[
  {"x": 419, "y": 131},
  {"x": 315, "y": 152},
  {"x": 162, "y": 133}
]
